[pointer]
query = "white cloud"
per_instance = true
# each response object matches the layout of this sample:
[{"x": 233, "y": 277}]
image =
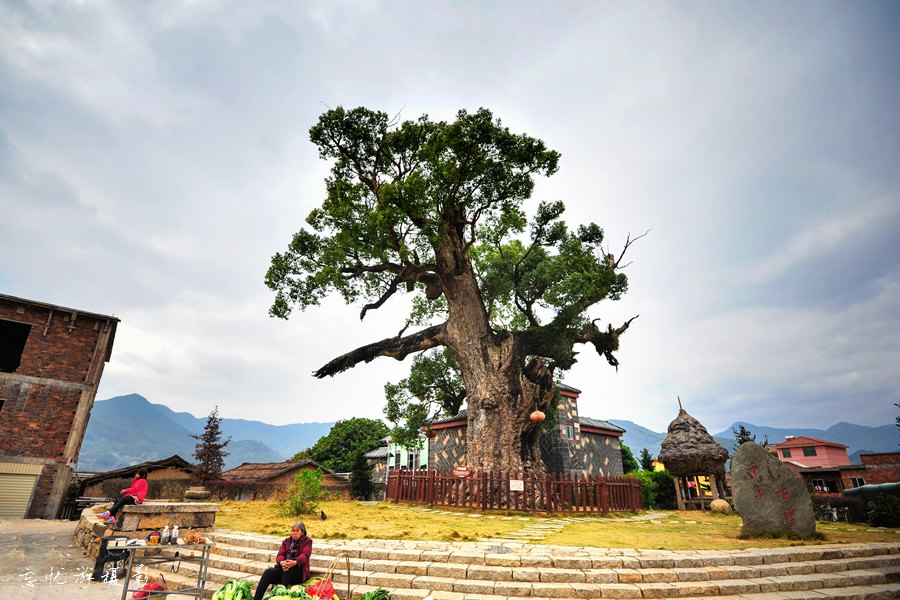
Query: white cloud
[{"x": 153, "y": 157}]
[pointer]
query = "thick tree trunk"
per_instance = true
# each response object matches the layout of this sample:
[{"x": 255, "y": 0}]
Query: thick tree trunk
[{"x": 502, "y": 389}]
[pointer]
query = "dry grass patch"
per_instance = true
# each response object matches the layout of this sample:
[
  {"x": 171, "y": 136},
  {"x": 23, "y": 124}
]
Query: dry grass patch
[
  {"x": 675, "y": 531},
  {"x": 360, "y": 520}
]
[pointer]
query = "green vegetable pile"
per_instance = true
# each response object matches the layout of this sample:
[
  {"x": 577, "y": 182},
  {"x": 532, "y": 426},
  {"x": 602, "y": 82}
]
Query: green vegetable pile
[
  {"x": 279, "y": 592},
  {"x": 376, "y": 594},
  {"x": 232, "y": 590}
]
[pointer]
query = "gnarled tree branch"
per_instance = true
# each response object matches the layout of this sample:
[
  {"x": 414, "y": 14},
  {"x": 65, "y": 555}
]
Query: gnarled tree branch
[{"x": 395, "y": 347}]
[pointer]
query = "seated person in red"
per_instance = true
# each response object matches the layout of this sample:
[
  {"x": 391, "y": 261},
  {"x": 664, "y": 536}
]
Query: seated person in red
[
  {"x": 132, "y": 495},
  {"x": 291, "y": 564}
]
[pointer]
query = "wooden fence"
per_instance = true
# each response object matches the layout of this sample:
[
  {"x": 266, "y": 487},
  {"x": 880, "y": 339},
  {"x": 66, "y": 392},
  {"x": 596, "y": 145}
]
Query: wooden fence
[{"x": 492, "y": 491}]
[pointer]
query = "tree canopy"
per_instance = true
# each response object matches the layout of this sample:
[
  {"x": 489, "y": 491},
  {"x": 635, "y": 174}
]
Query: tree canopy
[
  {"x": 434, "y": 209},
  {"x": 742, "y": 434},
  {"x": 629, "y": 463},
  {"x": 347, "y": 440},
  {"x": 646, "y": 460}
]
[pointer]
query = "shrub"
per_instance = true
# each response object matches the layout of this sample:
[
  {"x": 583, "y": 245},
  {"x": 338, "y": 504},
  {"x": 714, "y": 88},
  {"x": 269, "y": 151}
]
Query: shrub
[
  {"x": 839, "y": 508},
  {"x": 648, "y": 487},
  {"x": 664, "y": 490},
  {"x": 304, "y": 494},
  {"x": 884, "y": 511}
]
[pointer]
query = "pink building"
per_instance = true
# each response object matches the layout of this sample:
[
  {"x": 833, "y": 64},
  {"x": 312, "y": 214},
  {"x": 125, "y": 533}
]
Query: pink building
[{"x": 802, "y": 452}]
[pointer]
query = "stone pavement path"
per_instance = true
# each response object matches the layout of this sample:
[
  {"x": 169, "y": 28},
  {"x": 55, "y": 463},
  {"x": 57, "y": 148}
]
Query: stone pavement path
[{"x": 40, "y": 561}]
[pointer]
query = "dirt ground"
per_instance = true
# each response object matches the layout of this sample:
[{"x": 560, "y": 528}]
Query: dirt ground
[{"x": 40, "y": 560}]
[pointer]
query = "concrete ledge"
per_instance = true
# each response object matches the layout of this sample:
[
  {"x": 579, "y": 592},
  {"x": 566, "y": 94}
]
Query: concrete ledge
[
  {"x": 156, "y": 515},
  {"x": 138, "y": 520}
]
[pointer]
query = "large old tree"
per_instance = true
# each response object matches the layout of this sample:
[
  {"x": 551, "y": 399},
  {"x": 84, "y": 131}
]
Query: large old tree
[{"x": 435, "y": 209}]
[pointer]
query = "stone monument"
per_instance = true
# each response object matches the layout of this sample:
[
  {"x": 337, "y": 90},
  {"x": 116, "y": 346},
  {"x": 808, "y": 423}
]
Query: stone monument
[{"x": 769, "y": 497}]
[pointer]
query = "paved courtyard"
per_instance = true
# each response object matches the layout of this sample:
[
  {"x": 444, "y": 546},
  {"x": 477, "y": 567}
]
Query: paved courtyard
[{"x": 40, "y": 561}]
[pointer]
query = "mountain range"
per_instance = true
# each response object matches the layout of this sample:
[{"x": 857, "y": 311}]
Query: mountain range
[
  {"x": 860, "y": 439},
  {"x": 128, "y": 430}
]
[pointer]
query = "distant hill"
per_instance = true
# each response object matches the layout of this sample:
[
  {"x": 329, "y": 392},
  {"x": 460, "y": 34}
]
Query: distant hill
[
  {"x": 127, "y": 430},
  {"x": 858, "y": 438}
]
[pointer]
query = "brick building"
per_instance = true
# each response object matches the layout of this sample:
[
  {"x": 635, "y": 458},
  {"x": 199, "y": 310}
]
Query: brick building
[{"x": 51, "y": 361}]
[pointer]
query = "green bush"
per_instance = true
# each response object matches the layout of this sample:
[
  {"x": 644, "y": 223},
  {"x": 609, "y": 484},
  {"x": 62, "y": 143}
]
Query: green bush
[
  {"x": 305, "y": 494},
  {"x": 648, "y": 487},
  {"x": 664, "y": 490},
  {"x": 884, "y": 511},
  {"x": 657, "y": 489}
]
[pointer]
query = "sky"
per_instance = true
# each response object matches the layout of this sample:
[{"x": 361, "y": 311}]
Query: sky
[{"x": 155, "y": 155}]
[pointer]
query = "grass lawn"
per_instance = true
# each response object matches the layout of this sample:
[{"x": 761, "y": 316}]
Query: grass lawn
[{"x": 691, "y": 530}]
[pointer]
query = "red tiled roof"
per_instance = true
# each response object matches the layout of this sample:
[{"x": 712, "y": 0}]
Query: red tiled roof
[
  {"x": 264, "y": 471},
  {"x": 803, "y": 440}
]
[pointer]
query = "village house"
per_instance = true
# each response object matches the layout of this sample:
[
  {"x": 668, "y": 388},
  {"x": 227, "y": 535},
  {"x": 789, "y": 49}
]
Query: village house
[
  {"x": 578, "y": 445},
  {"x": 51, "y": 361},
  {"x": 803, "y": 451},
  {"x": 251, "y": 480},
  {"x": 159, "y": 472}
]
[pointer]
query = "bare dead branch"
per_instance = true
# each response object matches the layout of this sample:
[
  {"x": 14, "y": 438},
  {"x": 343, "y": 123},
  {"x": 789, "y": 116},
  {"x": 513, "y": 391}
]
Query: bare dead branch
[
  {"x": 628, "y": 242},
  {"x": 395, "y": 347},
  {"x": 392, "y": 289}
]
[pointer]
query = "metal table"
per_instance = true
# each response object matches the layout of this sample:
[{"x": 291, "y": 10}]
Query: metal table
[{"x": 158, "y": 558}]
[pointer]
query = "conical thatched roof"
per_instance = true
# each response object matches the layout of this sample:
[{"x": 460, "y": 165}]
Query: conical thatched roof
[{"x": 690, "y": 450}]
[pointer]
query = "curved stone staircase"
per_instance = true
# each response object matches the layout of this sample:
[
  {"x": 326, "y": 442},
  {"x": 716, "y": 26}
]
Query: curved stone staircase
[{"x": 486, "y": 570}]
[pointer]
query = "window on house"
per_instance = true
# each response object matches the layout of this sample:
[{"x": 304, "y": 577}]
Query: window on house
[
  {"x": 396, "y": 464},
  {"x": 857, "y": 481},
  {"x": 412, "y": 458},
  {"x": 13, "y": 336},
  {"x": 786, "y": 452},
  {"x": 819, "y": 485},
  {"x": 809, "y": 451},
  {"x": 570, "y": 432}
]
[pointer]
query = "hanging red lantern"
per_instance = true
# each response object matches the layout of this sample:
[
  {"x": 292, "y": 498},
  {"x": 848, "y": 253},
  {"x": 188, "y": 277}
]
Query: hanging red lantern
[
  {"x": 537, "y": 416},
  {"x": 430, "y": 433}
]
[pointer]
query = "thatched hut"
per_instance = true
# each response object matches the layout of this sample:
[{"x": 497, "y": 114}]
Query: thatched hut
[{"x": 695, "y": 460}]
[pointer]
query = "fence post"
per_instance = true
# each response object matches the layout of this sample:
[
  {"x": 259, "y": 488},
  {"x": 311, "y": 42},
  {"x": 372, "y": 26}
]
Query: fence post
[{"x": 604, "y": 495}]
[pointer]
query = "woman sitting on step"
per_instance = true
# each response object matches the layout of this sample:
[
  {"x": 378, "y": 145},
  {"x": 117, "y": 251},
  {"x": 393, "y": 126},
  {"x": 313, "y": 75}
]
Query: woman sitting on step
[{"x": 291, "y": 563}]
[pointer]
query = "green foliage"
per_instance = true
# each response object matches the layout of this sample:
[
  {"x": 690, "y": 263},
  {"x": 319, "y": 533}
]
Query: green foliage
[
  {"x": 742, "y": 434},
  {"x": 657, "y": 489},
  {"x": 376, "y": 594},
  {"x": 629, "y": 464},
  {"x": 433, "y": 389},
  {"x": 664, "y": 490},
  {"x": 302, "y": 455},
  {"x": 361, "y": 485},
  {"x": 210, "y": 449},
  {"x": 884, "y": 511},
  {"x": 304, "y": 494},
  {"x": 347, "y": 440},
  {"x": 648, "y": 486},
  {"x": 646, "y": 460}
]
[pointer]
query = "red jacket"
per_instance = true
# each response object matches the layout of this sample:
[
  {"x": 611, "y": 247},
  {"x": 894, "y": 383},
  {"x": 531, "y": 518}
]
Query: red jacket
[
  {"x": 302, "y": 557},
  {"x": 138, "y": 489}
]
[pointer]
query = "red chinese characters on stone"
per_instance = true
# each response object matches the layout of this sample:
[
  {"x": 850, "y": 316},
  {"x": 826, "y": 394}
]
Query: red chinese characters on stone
[
  {"x": 787, "y": 515},
  {"x": 783, "y": 492},
  {"x": 754, "y": 467},
  {"x": 757, "y": 491}
]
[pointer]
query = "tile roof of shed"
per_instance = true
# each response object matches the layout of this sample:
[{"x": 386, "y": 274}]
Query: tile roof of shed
[{"x": 264, "y": 471}]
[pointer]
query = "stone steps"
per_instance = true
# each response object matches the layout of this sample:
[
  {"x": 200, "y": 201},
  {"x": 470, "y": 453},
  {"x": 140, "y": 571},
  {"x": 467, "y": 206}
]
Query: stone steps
[{"x": 515, "y": 570}]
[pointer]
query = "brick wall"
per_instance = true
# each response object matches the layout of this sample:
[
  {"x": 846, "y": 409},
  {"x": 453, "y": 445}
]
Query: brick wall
[
  {"x": 36, "y": 419},
  {"x": 46, "y": 400},
  {"x": 602, "y": 454},
  {"x": 65, "y": 352}
]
